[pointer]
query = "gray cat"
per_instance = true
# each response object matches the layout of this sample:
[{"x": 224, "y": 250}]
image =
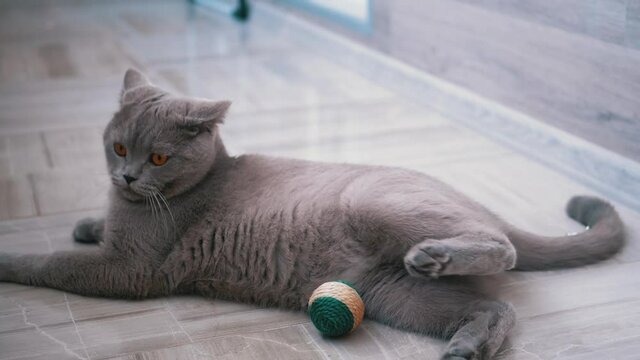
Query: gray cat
[{"x": 185, "y": 217}]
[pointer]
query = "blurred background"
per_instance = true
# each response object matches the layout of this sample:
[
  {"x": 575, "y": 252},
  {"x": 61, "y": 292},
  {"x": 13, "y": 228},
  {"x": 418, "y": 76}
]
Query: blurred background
[{"x": 519, "y": 104}]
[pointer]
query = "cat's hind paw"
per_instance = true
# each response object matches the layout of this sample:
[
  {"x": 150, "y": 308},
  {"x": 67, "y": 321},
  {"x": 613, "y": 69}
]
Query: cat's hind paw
[{"x": 426, "y": 260}]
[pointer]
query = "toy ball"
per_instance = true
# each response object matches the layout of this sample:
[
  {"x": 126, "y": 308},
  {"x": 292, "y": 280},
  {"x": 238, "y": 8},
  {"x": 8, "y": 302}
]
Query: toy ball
[{"x": 335, "y": 308}]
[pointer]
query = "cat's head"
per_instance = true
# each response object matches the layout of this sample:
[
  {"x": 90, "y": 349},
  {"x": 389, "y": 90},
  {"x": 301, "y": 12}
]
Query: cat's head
[{"x": 158, "y": 142}]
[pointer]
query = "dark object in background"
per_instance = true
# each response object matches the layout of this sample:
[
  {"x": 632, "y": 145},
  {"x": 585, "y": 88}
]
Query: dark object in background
[{"x": 242, "y": 12}]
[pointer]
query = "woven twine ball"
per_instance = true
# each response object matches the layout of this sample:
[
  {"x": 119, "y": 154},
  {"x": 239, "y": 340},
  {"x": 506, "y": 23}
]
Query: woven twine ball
[{"x": 336, "y": 308}]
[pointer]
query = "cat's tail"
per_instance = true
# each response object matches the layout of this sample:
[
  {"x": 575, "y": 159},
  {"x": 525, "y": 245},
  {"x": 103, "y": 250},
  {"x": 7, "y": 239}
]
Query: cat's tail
[{"x": 603, "y": 238}]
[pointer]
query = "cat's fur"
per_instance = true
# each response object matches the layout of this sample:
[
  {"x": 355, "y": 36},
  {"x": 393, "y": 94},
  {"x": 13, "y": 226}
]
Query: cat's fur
[{"x": 269, "y": 230}]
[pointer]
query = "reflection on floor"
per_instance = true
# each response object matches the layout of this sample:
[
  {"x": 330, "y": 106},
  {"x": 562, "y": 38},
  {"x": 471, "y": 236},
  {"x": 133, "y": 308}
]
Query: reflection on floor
[{"x": 60, "y": 74}]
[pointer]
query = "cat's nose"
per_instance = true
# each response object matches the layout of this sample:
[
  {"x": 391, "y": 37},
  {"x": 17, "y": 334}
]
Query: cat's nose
[{"x": 129, "y": 179}]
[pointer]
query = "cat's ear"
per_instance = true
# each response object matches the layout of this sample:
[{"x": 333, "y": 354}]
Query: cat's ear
[
  {"x": 134, "y": 78},
  {"x": 204, "y": 115},
  {"x": 135, "y": 86},
  {"x": 208, "y": 111}
]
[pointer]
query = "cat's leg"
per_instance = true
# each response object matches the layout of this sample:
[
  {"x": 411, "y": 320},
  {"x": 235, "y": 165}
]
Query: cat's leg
[
  {"x": 447, "y": 308},
  {"x": 95, "y": 273},
  {"x": 432, "y": 238},
  {"x": 89, "y": 231},
  {"x": 475, "y": 253}
]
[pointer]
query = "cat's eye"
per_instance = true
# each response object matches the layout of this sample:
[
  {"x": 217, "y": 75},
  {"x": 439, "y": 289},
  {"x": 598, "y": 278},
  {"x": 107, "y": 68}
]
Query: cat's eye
[
  {"x": 193, "y": 130},
  {"x": 158, "y": 159},
  {"x": 120, "y": 149}
]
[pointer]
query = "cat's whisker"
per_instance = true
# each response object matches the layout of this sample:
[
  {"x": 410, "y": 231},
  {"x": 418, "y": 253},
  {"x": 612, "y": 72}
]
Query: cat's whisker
[
  {"x": 156, "y": 215},
  {"x": 166, "y": 204},
  {"x": 152, "y": 205},
  {"x": 161, "y": 211}
]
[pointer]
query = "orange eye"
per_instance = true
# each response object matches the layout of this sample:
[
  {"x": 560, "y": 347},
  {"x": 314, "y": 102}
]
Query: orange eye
[
  {"x": 158, "y": 159},
  {"x": 120, "y": 149}
]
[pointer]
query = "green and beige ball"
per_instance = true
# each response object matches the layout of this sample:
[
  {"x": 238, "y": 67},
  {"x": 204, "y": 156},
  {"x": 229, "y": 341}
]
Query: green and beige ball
[{"x": 336, "y": 308}]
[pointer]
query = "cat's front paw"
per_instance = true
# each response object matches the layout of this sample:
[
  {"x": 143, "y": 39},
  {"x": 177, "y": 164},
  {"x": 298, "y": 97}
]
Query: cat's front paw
[
  {"x": 426, "y": 259},
  {"x": 6, "y": 261},
  {"x": 84, "y": 231}
]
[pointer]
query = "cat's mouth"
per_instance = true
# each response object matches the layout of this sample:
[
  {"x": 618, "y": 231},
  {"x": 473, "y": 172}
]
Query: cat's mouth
[
  {"x": 139, "y": 191},
  {"x": 130, "y": 194},
  {"x": 134, "y": 192},
  {"x": 146, "y": 192}
]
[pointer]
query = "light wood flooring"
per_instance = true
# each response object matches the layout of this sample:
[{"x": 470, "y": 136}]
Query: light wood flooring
[{"x": 61, "y": 68}]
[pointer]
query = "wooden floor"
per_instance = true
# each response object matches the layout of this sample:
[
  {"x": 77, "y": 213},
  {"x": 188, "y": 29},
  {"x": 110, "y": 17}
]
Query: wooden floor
[{"x": 60, "y": 75}]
